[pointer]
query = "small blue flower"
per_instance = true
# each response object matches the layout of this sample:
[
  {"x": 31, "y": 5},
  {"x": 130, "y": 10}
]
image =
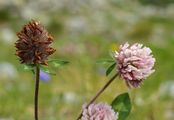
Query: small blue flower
[{"x": 44, "y": 76}]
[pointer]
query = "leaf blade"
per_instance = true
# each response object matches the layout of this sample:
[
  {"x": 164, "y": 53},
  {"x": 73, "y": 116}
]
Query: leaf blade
[
  {"x": 109, "y": 70},
  {"x": 122, "y": 105},
  {"x": 105, "y": 61},
  {"x": 46, "y": 70},
  {"x": 58, "y": 63}
]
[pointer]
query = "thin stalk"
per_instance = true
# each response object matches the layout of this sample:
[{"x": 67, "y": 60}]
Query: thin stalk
[
  {"x": 36, "y": 93},
  {"x": 98, "y": 93}
]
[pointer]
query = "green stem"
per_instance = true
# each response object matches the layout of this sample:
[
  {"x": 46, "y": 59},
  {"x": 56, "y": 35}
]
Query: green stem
[
  {"x": 36, "y": 93},
  {"x": 98, "y": 94}
]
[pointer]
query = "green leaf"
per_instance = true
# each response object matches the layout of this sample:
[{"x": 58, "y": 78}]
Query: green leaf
[
  {"x": 109, "y": 70},
  {"x": 46, "y": 69},
  {"x": 28, "y": 67},
  {"x": 57, "y": 63},
  {"x": 122, "y": 105},
  {"x": 53, "y": 64},
  {"x": 105, "y": 61}
]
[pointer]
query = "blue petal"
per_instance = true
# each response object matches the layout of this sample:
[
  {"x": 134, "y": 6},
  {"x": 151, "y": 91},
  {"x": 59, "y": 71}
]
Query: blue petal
[{"x": 44, "y": 76}]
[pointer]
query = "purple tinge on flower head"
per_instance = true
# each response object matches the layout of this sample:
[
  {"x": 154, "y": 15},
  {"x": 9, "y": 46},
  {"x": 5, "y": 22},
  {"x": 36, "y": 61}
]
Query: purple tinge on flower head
[
  {"x": 44, "y": 76},
  {"x": 135, "y": 63},
  {"x": 100, "y": 111}
]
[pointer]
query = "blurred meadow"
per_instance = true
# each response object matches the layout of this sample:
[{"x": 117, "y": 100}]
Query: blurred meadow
[{"x": 85, "y": 31}]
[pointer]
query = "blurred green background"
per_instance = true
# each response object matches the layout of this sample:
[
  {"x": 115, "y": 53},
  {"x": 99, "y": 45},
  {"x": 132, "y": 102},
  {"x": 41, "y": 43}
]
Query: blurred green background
[{"x": 84, "y": 32}]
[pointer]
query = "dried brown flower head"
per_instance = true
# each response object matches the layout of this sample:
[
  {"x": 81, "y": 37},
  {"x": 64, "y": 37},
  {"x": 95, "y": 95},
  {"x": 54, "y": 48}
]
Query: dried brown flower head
[{"x": 33, "y": 44}]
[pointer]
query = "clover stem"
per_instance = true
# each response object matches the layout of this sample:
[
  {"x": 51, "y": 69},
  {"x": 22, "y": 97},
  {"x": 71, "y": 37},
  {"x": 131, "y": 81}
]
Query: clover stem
[
  {"x": 98, "y": 93},
  {"x": 36, "y": 92}
]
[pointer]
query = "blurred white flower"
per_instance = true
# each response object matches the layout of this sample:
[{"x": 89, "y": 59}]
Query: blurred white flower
[
  {"x": 70, "y": 97},
  {"x": 28, "y": 12},
  {"x": 4, "y": 3},
  {"x": 7, "y": 35},
  {"x": 167, "y": 88},
  {"x": 77, "y": 24},
  {"x": 139, "y": 101},
  {"x": 6, "y": 119},
  {"x": 8, "y": 71}
]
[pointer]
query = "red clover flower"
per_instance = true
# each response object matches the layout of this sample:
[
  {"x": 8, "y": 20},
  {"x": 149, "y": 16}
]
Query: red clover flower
[
  {"x": 100, "y": 111},
  {"x": 134, "y": 63}
]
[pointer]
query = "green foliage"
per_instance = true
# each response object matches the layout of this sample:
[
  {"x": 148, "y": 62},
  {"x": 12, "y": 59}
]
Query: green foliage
[
  {"x": 109, "y": 70},
  {"x": 47, "y": 70},
  {"x": 53, "y": 64},
  {"x": 50, "y": 69},
  {"x": 105, "y": 61},
  {"x": 142, "y": 30},
  {"x": 160, "y": 3},
  {"x": 57, "y": 63},
  {"x": 5, "y": 15},
  {"x": 122, "y": 105},
  {"x": 29, "y": 67}
]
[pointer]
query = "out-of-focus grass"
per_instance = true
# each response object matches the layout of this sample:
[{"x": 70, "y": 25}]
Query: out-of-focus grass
[{"x": 62, "y": 97}]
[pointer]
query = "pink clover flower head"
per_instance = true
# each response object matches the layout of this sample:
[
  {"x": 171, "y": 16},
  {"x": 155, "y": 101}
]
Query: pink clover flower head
[
  {"x": 100, "y": 111},
  {"x": 134, "y": 63}
]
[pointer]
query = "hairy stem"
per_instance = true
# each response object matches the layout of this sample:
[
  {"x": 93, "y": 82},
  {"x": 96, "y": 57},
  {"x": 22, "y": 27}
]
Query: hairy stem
[
  {"x": 36, "y": 93},
  {"x": 98, "y": 93}
]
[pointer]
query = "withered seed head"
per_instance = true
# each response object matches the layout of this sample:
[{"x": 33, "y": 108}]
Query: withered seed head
[{"x": 33, "y": 44}]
